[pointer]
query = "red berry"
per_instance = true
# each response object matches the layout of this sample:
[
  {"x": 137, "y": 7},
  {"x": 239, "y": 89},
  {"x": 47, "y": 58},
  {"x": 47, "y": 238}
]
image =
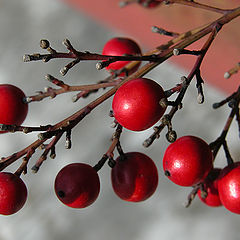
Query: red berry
[
  {"x": 118, "y": 47},
  {"x": 229, "y": 187},
  {"x": 136, "y": 104},
  {"x": 13, "y": 193},
  {"x": 151, "y": 4},
  {"x": 77, "y": 185},
  {"x": 13, "y": 110},
  {"x": 211, "y": 187},
  {"x": 187, "y": 161},
  {"x": 134, "y": 177}
]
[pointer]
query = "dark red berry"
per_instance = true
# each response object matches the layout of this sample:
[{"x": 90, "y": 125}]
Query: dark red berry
[
  {"x": 187, "y": 161},
  {"x": 118, "y": 47},
  {"x": 136, "y": 104},
  {"x": 134, "y": 177},
  {"x": 229, "y": 187},
  {"x": 149, "y": 4},
  {"x": 210, "y": 185},
  {"x": 77, "y": 185},
  {"x": 13, "y": 193},
  {"x": 13, "y": 109}
]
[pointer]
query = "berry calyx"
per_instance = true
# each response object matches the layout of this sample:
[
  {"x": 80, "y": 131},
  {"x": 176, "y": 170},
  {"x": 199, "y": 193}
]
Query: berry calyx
[
  {"x": 134, "y": 177},
  {"x": 187, "y": 161},
  {"x": 120, "y": 46},
  {"x": 77, "y": 185},
  {"x": 229, "y": 187},
  {"x": 210, "y": 186},
  {"x": 13, "y": 193},
  {"x": 13, "y": 109},
  {"x": 136, "y": 104}
]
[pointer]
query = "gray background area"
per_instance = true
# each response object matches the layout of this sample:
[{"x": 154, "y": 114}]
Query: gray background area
[{"x": 22, "y": 24}]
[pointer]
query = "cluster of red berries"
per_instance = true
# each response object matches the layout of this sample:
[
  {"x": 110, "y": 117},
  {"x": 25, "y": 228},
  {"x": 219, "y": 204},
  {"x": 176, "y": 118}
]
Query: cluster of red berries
[
  {"x": 136, "y": 106},
  {"x": 13, "y": 111},
  {"x": 187, "y": 162}
]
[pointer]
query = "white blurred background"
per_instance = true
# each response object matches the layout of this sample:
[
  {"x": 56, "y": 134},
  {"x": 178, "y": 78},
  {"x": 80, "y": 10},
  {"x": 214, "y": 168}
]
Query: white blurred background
[{"x": 22, "y": 25}]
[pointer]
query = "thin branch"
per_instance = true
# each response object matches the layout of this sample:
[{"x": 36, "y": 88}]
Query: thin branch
[
  {"x": 198, "y": 5},
  {"x": 215, "y": 146},
  {"x": 183, "y": 89},
  {"x": 83, "y": 88},
  {"x": 161, "y": 53},
  {"x": 109, "y": 154}
]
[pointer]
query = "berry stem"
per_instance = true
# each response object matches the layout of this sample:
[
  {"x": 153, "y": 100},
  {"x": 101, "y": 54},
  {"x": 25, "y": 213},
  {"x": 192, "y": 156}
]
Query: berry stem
[{"x": 192, "y": 195}]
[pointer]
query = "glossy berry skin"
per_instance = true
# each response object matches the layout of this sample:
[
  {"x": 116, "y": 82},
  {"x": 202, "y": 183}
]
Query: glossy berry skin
[
  {"x": 229, "y": 187},
  {"x": 211, "y": 187},
  {"x": 135, "y": 177},
  {"x": 77, "y": 185},
  {"x": 13, "y": 110},
  {"x": 13, "y": 193},
  {"x": 187, "y": 161},
  {"x": 136, "y": 104},
  {"x": 118, "y": 47}
]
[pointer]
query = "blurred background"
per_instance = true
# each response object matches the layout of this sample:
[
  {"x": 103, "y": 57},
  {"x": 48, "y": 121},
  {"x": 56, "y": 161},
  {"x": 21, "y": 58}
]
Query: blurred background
[{"x": 22, "y": 25}]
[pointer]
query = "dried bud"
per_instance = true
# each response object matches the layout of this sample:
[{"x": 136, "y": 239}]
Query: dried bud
[
  {"x": 176, "y": 52},
  {"x": 184, "y": 81},
  {"x": 155, "y": 29},
  {"x": 227, "y": 75},
  {"x": 68, "y": 144},
  {"x": 27, "y": 99},
  {"x": 163, "y": 103},
  {"x": 53, "y": 155},
  {"x": 200, "y": 98},
  {"x": 44, "y": 44},
  {"x": 165, "y": 119},
  {"x": 26, "y": 58},
  {"x": 63, "y": 71},
  {"x": 171, "y": 136},
  {"x": 75, "y": 98},
  {"x": 49, "y": 77},
  {"x": 35, "y": 169},
  {"x": 99, "y": 66},
  {"x": 66, "y": 42}
]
